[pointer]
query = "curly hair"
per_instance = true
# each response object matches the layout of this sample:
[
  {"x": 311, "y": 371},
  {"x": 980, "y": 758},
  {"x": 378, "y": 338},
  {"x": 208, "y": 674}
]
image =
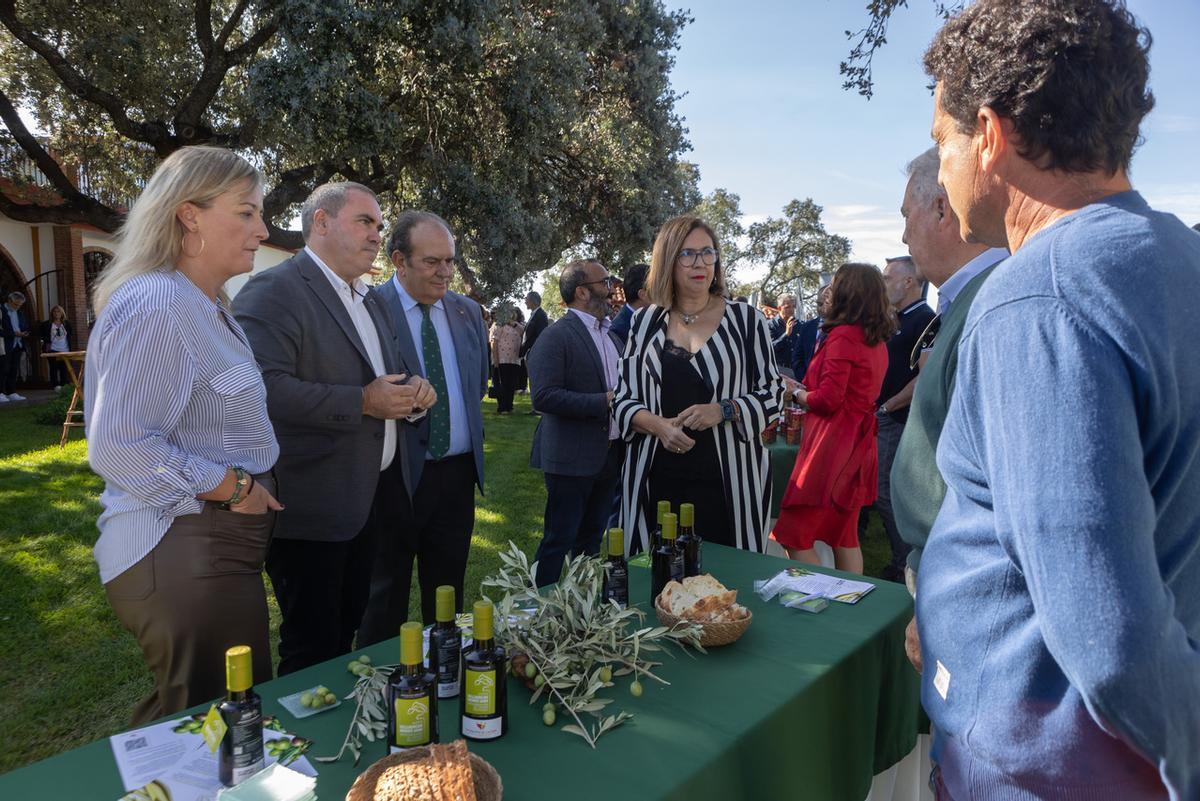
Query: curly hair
[
  {"x": 860, "y": 298},
  {"x": 1070, "y": 74}
]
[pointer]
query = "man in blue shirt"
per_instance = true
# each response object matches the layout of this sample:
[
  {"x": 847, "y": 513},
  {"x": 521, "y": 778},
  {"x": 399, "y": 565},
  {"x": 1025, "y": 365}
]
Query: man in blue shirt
[{"x": 1059, "y": 594}]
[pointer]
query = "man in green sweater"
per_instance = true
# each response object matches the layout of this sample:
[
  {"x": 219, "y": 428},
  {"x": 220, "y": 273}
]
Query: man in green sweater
[{"x": 957, "y": 269}]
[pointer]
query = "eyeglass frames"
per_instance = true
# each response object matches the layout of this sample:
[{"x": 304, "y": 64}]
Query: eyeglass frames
[
  {"x": 925, "y": 341},
  {"x": 688, "y": 257}
]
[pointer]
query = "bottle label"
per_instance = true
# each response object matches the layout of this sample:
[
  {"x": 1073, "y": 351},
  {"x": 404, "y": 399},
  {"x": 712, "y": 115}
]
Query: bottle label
[
  {"x": 245, "y": 744},
  {"x": 481, "y": 692},
  {"x": 412, "y": 722},
  {"x": 616, "y": 585},
  {"x": 449, "y": 657},
  {"x": 488, "y": 729},
  {"x": 677, "y": 566}
]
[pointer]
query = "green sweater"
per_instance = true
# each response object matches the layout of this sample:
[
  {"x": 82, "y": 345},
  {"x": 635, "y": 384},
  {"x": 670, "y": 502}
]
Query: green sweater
[{"x": 917, "y": 486}]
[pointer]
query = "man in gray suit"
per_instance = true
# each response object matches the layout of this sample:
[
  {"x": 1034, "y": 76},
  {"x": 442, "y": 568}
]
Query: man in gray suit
[
  {"x": 443, "y": 332},
  {"x": 572, "y": 372},
  {"x": 330, "y": 360}
]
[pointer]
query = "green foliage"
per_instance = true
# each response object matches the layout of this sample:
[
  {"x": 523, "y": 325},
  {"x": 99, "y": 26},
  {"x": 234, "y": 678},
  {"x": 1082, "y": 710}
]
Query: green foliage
[
  {"x": 531, "y": 127},
  {"x": 55, "y": 411},
  {"x": 722, "y": 210},
  {"x": 856, "y": 69},
  {"x": 795, "y": 247}
]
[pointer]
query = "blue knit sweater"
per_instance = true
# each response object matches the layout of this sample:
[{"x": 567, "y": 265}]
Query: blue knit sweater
[{"x": 1059, "y": 594}]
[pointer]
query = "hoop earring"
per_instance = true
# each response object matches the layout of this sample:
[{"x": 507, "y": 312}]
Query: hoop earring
[{"x": 183, "y": 245}]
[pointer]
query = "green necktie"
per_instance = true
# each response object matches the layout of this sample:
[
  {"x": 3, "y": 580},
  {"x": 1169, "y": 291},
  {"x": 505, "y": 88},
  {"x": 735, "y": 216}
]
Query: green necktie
[{"x": 439, "y": 415}]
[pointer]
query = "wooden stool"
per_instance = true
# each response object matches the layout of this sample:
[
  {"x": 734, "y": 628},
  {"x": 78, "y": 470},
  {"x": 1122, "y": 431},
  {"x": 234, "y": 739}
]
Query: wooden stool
[{"x": 71, "y": 359}]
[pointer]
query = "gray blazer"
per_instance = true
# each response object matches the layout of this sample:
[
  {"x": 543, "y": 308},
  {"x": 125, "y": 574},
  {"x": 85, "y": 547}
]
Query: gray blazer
[
  {"x": 569, "y": 388},
  {"x": 315, "y": 366},
  {"x": 471, "y": 348}
]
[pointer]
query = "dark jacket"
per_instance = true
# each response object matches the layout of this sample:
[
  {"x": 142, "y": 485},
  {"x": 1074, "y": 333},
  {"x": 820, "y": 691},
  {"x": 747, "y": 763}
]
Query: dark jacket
[
  {"x": 533, "y": 329},
  {"x": 7, "y": 330},
  {"x": 44, "y": 334},
  {"x": 805, "y": 345}
]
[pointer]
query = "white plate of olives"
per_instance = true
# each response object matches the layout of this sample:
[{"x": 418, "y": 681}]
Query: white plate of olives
[{"x": 312, "y": 701}]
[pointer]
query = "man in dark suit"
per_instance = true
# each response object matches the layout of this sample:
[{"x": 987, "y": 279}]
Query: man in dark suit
[
  {"x": 635, "y": 298},
  {"x": 573, "y": 372},
  {"x": 809, "y": 334},
  {"x": 536, "y": 325},
  {"x": 14, "y": 326},
  {"x": 330, "y": 360},
  {"x": 443, "y": 332}
]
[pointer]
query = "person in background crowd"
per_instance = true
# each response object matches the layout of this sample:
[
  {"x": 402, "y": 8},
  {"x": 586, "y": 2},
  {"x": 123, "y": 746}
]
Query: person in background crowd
[
  {"x": 55, "y": 335},
  {"x": 443, "y": 332},
  {"x": 905, "y": 290},
  {"x": 186, "y": 457},
  {"x": 328, "y": 351},
  {"x": 958, "y": 270},
  {"x": 505, "y": 339},
  {"x": 809, "y": 335},
  {"x": 835, "y": 472},
  {"x": 14, "y": 329},
  {"x": 533, "y": 329},
  {"x": 1058, "y": 599},
  {"x": 635, "y": 298},
  {"x": 698, "y": 384},
  {"x": 573, "y": 372},
  {"x": 783, "y": 334},
  {"x": 741, "y": 299}
]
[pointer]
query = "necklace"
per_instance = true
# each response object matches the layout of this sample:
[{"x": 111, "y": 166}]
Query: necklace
[{"x": 688, "y": 319}]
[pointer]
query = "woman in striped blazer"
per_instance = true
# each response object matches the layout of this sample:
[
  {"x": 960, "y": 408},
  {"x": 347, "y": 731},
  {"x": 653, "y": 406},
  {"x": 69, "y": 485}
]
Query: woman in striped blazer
[{"x": 698, "y": 383}]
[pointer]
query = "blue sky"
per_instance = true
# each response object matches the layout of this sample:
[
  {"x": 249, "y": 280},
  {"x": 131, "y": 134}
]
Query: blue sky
[{"x": 768, "y": 119}]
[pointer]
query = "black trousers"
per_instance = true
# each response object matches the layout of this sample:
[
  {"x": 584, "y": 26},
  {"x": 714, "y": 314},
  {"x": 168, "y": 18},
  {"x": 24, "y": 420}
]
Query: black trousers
[
  {"x": 322, "y": 587},
  {"x": 577, "y": 509},
  {"x": 10, "y": 369},
  {"x": 433, "y": 527},
  {"x": 507, "y": 377}
]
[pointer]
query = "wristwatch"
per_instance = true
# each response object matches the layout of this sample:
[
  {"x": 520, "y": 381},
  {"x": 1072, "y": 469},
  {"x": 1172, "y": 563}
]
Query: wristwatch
[{"x": 726, "y": 411}]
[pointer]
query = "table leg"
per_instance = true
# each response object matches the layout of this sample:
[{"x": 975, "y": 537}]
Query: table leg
[{"x": 71, "y": 408}]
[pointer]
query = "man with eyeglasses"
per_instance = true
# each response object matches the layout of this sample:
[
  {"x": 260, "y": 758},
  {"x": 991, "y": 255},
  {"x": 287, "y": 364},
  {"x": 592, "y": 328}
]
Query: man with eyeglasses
[
  {"x": 443, "y": 332},
  {"x": 572, "y": 374}
]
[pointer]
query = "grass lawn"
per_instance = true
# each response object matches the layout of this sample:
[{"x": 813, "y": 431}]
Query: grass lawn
[{"x": 71, "y": 674}]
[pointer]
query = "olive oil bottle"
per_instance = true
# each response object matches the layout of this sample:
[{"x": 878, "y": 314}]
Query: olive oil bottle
[
  {"x": 690, "y": 542},
  {"x": 666, "y": 563},
  {"x": 484, "y": 692},
  {"x": 241, "y": 753},
  {"x": 445, "y": 645},
  {"x": 411, "y": 696},
  {"x": 664, "y": 507},
  {"x": 616, "y": 571}
]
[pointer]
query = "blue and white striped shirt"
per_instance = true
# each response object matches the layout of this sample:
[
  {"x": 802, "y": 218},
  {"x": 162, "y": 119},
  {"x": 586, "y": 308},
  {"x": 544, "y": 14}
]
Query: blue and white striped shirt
[{"x": 173, "y": 397}]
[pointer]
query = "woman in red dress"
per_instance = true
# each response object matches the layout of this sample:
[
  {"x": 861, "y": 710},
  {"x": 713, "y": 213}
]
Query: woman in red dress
[{"x": 836, "y": 470}]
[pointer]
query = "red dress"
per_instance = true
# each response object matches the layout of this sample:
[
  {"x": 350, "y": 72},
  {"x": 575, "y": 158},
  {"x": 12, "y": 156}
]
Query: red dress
[{"x": 836, "y": 470}]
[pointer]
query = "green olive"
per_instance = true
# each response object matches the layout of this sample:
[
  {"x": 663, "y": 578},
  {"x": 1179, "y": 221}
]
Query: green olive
[
  {"x": 366, "y": 660},
  {"x": 539, "y": 680},
  {"x": 636, "y": 688},
  {"x": 530, "y": 670},
  {"x": 306, "y": 699},
  {"x": 606, "y": 674},
  {"x": 330, "y": 698},
  {"x": 548, "y": 717},
  {"x": 354, "y": 666}
]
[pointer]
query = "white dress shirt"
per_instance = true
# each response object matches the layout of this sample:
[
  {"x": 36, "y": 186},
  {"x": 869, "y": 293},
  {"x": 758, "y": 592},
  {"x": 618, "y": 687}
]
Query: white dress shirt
[
  {"x": 948, "y": 291},
  {"x": 351, "y": 296},
  {"x": 598, "y": 329},
  {"x": 460, "y": 432}
]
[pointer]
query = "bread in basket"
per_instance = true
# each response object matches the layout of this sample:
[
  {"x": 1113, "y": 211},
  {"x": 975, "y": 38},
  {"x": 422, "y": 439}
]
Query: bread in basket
[
  {"x": 434, "y": 773},
  {"x": 704, "y": 600}
]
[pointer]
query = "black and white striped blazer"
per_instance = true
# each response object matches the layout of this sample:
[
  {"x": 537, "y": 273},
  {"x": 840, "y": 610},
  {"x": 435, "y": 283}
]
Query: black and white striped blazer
[{"x": 739, "y": 364}]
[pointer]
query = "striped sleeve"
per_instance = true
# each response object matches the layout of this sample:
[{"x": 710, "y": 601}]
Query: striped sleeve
[
  {"x": 764, "y": 398},
  {"x": 140, "y": 397},
  {"x": 629, "y": 398}
]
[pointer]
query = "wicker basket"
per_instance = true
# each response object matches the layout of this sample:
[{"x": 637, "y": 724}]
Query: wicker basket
[
  {"x": 488, "y": 786},
  {"x": 714, "y": 633}
]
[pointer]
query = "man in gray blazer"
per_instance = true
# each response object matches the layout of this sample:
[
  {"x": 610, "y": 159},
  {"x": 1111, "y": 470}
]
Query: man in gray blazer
[
  {"x": 331, "y": 362},
  {"x": 572, "y": 373},
  {"x": 443, "y": 332}
]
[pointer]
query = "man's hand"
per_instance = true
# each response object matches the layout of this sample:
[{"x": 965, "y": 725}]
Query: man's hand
[
  {"x": 912, "y": 644},
  {"x": 701, "y": 416},
  {"x": 791, "y": 323},
  {"x": 426, "y": 394},
  {"x": 384, "y": 399}
]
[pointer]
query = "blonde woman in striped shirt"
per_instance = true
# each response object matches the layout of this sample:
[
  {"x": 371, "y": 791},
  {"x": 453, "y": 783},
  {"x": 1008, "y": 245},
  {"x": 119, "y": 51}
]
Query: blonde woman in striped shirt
[
  {"x": 698, "y": 383},
  {"x": 177, "y": 427}
]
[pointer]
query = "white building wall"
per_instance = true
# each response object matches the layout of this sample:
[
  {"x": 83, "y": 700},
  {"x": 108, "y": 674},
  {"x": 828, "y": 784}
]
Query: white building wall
[
  {"x": 266, "y": 256},
  {"x": 18, "y": 242}
]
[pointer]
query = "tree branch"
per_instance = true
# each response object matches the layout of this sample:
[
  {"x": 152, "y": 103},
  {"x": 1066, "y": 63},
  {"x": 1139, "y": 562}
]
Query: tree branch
[
  {"x": 204, "y": 34},
  {"x": 231, "y": 24},
  {"x": 44, "y": 161},
  {"x": 152, "y": 134}
]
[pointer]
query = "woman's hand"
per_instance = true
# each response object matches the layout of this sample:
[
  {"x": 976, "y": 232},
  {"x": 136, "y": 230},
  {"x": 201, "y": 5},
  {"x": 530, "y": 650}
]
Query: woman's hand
[
  {"x": 670, "y": 436},
  {"x": 258, "y": 502},
  {"x": 701, "y": 416}
]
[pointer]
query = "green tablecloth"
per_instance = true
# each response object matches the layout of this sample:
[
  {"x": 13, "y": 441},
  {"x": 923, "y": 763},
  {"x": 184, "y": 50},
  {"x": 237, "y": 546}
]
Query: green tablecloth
[
  {"x": 783, "y": 459},
  {"x": 801, "y": 707}
]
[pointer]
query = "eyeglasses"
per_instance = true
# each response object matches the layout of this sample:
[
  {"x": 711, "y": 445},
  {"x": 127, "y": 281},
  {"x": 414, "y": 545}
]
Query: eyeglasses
[
  {"x": 687, "y": 257},
  {"x": 608, "y": 281},
  {"x": 925, "y": 341}
]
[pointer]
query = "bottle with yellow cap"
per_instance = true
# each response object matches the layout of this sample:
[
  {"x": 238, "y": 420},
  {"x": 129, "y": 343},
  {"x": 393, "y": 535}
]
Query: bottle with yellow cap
[
  {"x": 690, "y": 542},
  {"x": 411, "y": 696},
  {"x": 445, "y": 645},
  {"x": 664, "y": 507},
  {"x": 666, "y": 563},
  {"x": 484, "y": 696},
  {"x": 242, "y": 746},
  {"x": 616, "y": 571}
]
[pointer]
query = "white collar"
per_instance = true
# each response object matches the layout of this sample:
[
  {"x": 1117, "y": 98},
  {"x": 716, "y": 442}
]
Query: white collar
[
  {"x": 590, "y": 320},
  {"x": 356, "y": 291},
  {"x": 948, "y": 291}
]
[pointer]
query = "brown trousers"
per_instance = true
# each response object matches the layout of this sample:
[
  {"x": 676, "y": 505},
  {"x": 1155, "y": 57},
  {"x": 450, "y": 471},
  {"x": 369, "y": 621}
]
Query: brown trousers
[{"x": 198, "y": 593}]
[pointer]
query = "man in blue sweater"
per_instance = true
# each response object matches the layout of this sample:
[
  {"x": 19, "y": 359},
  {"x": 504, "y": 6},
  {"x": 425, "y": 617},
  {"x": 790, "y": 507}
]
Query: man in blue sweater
[{"x": 1059, "y": 595}]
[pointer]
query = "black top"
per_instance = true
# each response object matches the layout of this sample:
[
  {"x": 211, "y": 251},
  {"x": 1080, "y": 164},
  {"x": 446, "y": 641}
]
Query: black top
[
  {"x": 913, "y": 319},
  {"x": 694, "y": 477}
]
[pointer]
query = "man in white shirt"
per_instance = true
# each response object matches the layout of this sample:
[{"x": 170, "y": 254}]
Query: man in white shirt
[{"x": 332, "y": 368}]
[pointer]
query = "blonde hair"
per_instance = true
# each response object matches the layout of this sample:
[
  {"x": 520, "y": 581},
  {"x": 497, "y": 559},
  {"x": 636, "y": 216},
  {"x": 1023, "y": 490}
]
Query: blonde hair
[
  {"x": 660, "y": 283},
  {"x": 152, "y": 236}
]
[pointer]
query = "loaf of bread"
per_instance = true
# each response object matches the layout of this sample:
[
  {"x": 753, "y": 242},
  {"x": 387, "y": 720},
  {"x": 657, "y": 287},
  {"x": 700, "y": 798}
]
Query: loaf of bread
[
  {"x": 702, "y": 599},
  {"x": 445, "y": 775}
]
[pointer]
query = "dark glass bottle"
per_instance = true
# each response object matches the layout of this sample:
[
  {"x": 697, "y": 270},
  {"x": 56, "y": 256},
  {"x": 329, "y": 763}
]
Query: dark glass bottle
[
  {"x": 411, "y": 696},
  {"x": 691, "y": 543},
  {"x": 484, "y": 692},
  {"x": 666, "y": 563},
  {"x": 616, "y": 571},
  {"x": 664, "y": 507},
  {"x": 241, "y": 753},
  {"x": 445, "y": 645}
]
